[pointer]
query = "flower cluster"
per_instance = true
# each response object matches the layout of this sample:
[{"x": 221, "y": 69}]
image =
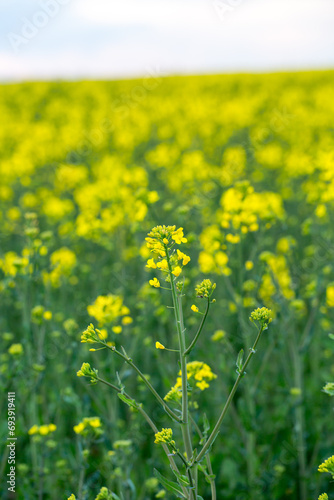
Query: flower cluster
[
  {"x": 39, "y": 313},
  {"x": 276, "y": 279},
  {"x": 15, "y": 349},
  {"x": 198, "y": 373},
  {"x": 165, "y": 436},
  {"x": 323, "y": 496},
  {"x": 87, "y": 371},
  {"x": 160, "y": 241},
  {"x": 262, "y": 315},
  {"x": 11, "y": 263},
  {"x": 104, "y": 494},
  {"x": 161, "y": 237},
  {"x": 42, "y": 430},
  {"x": 243, "y": 208},
  {"x": 327, "y": 466},
  {"x": 89, "y": 426},
  {"x": 329, "y": 388},
  {"x": 205, "y": 289},
  {"x": 62, "y": 262},
  {"x": 108, "y": 309},
  {"x": 92, "y": 335}
]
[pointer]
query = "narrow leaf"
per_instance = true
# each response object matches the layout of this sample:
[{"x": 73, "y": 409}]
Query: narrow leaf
[
  {"x": 169, "y": 485},
  {"x": 130, "y": 402},
  {"x": 239, "y": 361},
  {"x": 206, "y": 424},
  {"x": 183, "y": 479}
]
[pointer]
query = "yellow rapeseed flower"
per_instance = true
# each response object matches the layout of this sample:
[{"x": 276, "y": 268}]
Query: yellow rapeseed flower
[
  {"x": 127, "y": 320},
  {"x": 155, "y": 282},
  {"x": 177, "y": 271},
  {"x": 95, "y": 422},
  {"x": 107, "y": 308},
  {"x": 15, "y": 349},
  {"x": 47, "y": 315},
  {"x": 117, "y": 329},
  {"x": 79, "y": 428},
  {"x": 151, "y": 264},
  {"x": 198, "y": 372},
  {"x": 218, "y": 335},
  {"x": 178, "y": 236},
  {"x": 44, "y": 430},
  {"x": 330, "y": 296},
  {"x": 182, "y": 256},
  {"x": 159, "y": 346},
  {"x": 163, "y": 264},
  {"x": 33, "y": 430},
  {"x": 202, "y": 385}
]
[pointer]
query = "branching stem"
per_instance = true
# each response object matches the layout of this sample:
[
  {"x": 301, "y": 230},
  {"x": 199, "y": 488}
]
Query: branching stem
[{"x": 215, "y": 431}]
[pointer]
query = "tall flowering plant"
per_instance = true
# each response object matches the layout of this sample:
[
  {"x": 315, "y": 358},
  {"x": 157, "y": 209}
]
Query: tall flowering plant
[{"x": 185, "y": 459}]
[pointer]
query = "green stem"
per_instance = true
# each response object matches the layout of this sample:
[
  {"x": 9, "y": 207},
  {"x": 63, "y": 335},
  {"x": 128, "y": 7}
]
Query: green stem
[
  {"x": 215, "y": 431},
  {"x": 192, "y": 345},
  {"x": 208, "y": 462},
  {"x": 186, "y": 464},
  {"x": 180, "y": 332},
  {"x": 153, "y": 427},
  {"x": 299, "y": 418},
  {"x": 147, "y": 383},
  {"x": 185, "y": 418},
  {"x": 82, "y": 473}
]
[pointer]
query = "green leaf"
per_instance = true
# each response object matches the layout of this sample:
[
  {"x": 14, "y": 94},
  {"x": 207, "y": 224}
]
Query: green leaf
[
  {"x": 206, "y": 424},
  {"x": 130, "y": 402},
  {"x": 331, "y": 336},
  {"x": 121, "y": 386},
  {"x": 206, "y": 428},
  {"x": 169, "y": 485},
  {"x": 202, "y": 468},
  {"x": 114, "y": 496},
  {"x": 125, "y": 354},
  {"x": 183, "y": 479},
  {"x": 210, "y": 477},
  {"x": 239, "y": 361}
]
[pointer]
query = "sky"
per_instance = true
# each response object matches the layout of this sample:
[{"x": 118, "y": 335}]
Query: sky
[{"x": 94, "y": 39}]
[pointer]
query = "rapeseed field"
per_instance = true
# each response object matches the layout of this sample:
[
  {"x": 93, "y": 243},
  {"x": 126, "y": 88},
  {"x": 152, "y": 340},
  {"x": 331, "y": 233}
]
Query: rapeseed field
[{"x": 240, "y": 168}]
